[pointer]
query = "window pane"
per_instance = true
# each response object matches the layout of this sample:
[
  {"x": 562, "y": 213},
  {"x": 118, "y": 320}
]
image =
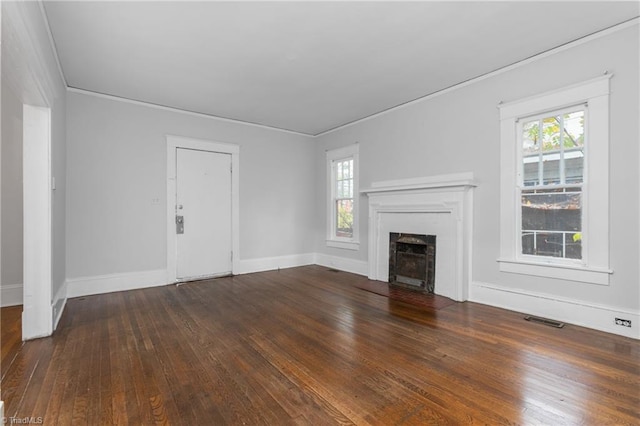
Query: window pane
[
  {"x": 574, "y": 129},
  {"x": 345, "y": 189},
  {"x": 344, "y": 169},
  {"x": 551, "y": 169},
  {"x": 574, "y": 146},
  {"x": 542, "y": 243},
  {"x": 574, "y": 166},
  {"x": 530, "y": 136},
  {"x": 531, "y": 152},
  {"x": 550, "y": 134},
  {"x": 344, "y": 179},
  {"x": 552, "y": 150},
  {"x": 552, "y": 222},
  {"x": 551, "y": 157},
  {"x": 531, "y": 165},
  {"x": 344, "y": 218}
]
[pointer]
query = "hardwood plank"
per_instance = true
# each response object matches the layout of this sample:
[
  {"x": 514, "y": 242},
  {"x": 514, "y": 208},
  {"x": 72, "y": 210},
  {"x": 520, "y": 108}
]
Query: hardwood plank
[
  {"x": 307, "y": 346},
  {"x": 10, "y": 336}
]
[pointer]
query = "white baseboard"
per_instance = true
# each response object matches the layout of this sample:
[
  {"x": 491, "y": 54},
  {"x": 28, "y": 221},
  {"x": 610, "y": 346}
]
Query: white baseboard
[
  {"x": 11, "y": 295},
  {"x": 59, "y": 302},
  {"x": 359, "y": 267},
  {"x": 575, "y": 312},
  {"x": 86, "y": 286},
  {"x": 248, "y": 266}
]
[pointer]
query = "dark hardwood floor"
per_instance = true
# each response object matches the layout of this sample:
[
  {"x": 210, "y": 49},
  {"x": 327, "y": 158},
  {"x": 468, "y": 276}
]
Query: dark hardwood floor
[
  {"x": 305, "y": 346},
  {"x": 10, "y": 336}
]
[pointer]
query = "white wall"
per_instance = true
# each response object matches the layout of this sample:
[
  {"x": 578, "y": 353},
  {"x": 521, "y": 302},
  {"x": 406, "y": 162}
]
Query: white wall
[
  {"x": 30, "y": 75},
  {"x": 458, "y": 131},
  {"x": 11, "y": 192},
  {"x": 116, "y": 201}
]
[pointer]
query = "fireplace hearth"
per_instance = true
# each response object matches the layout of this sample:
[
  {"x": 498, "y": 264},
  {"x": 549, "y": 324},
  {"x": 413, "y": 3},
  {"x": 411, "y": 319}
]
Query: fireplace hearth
[{"x": 412, "y": 261}]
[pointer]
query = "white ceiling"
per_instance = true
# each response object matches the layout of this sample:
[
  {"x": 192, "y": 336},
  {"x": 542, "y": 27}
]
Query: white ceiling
[{"x": 305, "y": 66}]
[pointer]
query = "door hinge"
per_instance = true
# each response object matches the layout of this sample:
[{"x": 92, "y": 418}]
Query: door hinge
[{"x": 232, "y": 256}]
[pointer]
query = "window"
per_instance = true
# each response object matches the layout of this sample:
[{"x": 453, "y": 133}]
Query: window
[
  {"x": 551, "y": 151},
  {"x": 343, "y": 209},
  {"x": 342, "y": 169},
  {"x": 554, "y": 185}
]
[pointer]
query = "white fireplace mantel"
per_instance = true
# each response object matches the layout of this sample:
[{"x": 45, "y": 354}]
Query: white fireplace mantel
[
  {"x": 457, "y": 180},
  {"x": 436, "y": 205}
]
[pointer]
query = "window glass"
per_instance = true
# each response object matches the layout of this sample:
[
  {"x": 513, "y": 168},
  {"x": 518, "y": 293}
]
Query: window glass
[
  {"x": 552, "y": 222},
  {"x": 344, "y": 198},
  {"x": 551, "y": 188}
]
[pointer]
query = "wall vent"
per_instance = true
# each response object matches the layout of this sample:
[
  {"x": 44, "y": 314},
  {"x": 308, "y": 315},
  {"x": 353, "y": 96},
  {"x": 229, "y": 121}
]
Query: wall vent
[{"x": 545, "y": 321}]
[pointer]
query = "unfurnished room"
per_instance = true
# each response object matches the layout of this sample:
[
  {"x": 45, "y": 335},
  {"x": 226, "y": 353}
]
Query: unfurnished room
[{"x": 324, "y": 212}]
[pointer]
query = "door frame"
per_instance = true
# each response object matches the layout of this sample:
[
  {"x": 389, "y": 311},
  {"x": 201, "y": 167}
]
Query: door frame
[
  {"x": 173, "y": 143},
  {"x": 37, "y": 311}
]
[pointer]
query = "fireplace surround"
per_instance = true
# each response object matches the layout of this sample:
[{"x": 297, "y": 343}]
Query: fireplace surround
[{"x": 436, "y": 205}]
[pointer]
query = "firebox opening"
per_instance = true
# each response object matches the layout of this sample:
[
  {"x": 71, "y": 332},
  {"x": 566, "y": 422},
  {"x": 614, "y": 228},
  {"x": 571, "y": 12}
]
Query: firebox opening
[{"x": 412, "y": 261}]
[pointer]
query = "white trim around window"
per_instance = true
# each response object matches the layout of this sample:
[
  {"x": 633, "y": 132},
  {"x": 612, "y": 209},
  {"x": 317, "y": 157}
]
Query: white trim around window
[
  {"x": 333, "y": 157},
  {"x": 594, "y": 266}
]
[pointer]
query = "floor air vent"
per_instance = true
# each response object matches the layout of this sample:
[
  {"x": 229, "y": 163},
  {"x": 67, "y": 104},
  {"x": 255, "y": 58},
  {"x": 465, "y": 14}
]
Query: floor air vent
[{"x": 545, "y": 321}]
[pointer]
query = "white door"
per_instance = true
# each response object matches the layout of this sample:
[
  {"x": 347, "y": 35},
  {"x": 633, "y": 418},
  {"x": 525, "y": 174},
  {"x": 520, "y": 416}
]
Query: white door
[{"x": 203, "y": 211}]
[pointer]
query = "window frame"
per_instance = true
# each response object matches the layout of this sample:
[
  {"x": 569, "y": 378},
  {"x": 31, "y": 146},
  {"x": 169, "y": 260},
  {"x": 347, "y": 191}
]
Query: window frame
[
  {"x": 333, "y": 157},
  {"x": 594, "y": 266}
]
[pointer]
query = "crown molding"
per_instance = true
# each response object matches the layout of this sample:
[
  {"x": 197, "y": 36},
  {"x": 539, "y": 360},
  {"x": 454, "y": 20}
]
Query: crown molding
[
  {"x": 569, "y": 45},
  {"x": 182, "y": 111}
]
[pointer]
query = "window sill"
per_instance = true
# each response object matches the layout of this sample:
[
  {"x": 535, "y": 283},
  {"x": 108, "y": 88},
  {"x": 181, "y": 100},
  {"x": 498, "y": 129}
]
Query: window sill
[
  {"x": 347, "y": 245},
  {"x": 584, "y": 274}
]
